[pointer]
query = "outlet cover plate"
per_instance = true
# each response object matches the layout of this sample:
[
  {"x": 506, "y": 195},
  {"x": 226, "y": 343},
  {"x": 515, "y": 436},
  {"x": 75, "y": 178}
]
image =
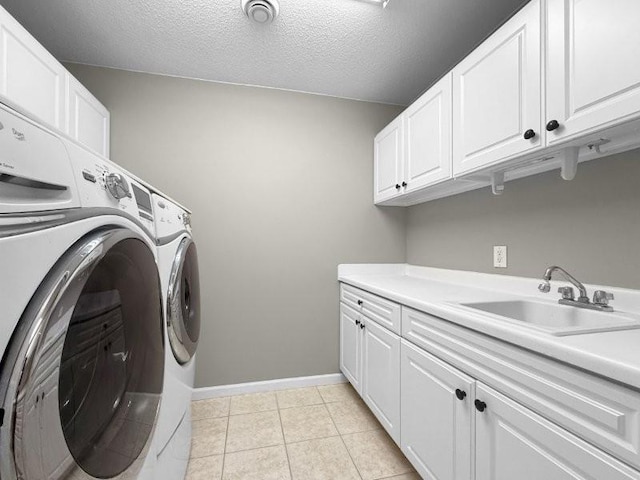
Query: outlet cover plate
[{"x": 500, "y": 256}]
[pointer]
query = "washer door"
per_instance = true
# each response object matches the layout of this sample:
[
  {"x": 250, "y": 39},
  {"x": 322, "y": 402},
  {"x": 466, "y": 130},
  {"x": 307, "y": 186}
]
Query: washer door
[
  {"x": 83, "y": 378},
  {"x": 183, "y": 302}
]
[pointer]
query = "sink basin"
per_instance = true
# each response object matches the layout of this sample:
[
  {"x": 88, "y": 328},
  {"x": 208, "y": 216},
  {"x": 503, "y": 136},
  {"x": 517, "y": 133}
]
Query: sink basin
[{"x": 556, "y": 319}]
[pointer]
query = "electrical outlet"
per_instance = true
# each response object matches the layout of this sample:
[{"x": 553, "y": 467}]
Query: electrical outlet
[{"x": 500, "y": 256}]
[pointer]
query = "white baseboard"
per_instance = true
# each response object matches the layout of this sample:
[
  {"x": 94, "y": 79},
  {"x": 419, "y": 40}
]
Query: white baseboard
[{"x": 267, "y": 386}]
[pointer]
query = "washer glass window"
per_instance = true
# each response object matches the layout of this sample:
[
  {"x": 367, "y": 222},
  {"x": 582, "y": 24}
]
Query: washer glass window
[{"x": 87, "y": 377}]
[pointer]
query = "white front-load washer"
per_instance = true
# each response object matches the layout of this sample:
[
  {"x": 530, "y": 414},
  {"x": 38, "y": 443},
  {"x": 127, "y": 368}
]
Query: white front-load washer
[
  {"x": 81, "y": 325},
  {"x": 178, "y": 265}
]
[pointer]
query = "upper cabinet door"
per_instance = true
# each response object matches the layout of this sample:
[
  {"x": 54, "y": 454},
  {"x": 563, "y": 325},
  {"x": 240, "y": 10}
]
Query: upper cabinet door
[
  {"x": 427, "y": 128},
  {"x": 593, "y": 72},
  {"x": 387, "y": 168},
  {"x": 497, "y": 95},
  {"x": 30, "y": 77},
  {"x": 437, "y": 416},
  {"x": 515, "y": 443},
  {"x": 88, "y": 119}
]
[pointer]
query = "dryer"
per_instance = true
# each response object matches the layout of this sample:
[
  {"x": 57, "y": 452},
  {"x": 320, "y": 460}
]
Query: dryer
[
  {"x": 178, "y": 265},
  {"x": 81, "y": 325}
]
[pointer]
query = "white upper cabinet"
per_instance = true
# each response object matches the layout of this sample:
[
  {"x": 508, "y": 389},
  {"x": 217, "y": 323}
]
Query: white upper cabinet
[
  {"x": 593, "y": 72},
  {"x": 88, "y": 119},
  {"x": 497, "y": 98},
  {"x": 427, "y": 137},
  {"x": 388, "y": 161},
  {"x": 30, "y": 77},
  {"x": 35, "y": 83}
]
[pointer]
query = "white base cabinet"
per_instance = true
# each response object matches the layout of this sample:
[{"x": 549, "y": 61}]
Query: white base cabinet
[
  {"x": 351, "y": 346},
  {"x": 464, "y": 406},
  {"x": 514, "y": 443},
  {"x": 370, "y": 358},
  {"x": 437, "y": 412},
  {"x": 381, "y": 376}
]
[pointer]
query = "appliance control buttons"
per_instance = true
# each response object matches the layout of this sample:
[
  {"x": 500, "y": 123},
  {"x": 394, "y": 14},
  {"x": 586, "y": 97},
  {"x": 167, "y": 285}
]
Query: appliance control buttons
[{"x": 89, "y": 177}]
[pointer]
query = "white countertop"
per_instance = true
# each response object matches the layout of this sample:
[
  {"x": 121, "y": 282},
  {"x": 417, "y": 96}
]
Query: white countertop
[{"x": 614, "y": 355}]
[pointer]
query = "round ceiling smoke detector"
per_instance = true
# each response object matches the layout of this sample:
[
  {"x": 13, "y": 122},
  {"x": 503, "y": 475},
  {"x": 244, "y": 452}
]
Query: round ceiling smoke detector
[{"x": 261, "y": 11}]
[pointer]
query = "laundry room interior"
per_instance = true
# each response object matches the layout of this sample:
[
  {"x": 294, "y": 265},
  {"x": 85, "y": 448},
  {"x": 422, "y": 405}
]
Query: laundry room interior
[{"x": 320, "y": 240}]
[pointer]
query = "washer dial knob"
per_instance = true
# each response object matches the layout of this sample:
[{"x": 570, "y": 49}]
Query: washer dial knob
[{"x": 117, "y": 186}]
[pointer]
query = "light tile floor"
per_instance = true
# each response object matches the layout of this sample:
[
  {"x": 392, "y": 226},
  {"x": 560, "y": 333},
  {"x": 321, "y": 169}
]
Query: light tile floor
[{"x": 323, "y": 433}]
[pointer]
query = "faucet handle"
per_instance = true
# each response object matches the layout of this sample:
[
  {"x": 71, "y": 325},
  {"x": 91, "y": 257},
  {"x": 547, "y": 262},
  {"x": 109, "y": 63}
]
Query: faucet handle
[
  {"x": 567, "y": 293},
  {"x": 600, "y": 297}
]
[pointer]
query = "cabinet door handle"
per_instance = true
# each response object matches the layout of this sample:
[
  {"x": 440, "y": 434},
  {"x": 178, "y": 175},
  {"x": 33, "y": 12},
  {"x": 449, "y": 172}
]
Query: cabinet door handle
[
  {"x": 480, "y": 405},
  {"x": 397, "y": 186},
  {"x": 357, "y": 322},
  {"x": 362, "y": 325},
  {"x": 360, "y": 302},
  {"x": 461, "y": 394},
  {"x": 404, "y": 184},
  {"x": 529, "y": 134},
  {"x": 552, "y": 125}
]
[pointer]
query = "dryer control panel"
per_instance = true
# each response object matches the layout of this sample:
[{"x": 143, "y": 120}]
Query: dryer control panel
[{"x": 103, "y": 185}]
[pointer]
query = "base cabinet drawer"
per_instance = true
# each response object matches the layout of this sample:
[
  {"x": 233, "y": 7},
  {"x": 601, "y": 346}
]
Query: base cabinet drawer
[
  {"x": 381, "y": 376},
  {"x": 380, "y": 310},
  {"x": 512, "y": 442},
  {"x": 437, "y": 412}
]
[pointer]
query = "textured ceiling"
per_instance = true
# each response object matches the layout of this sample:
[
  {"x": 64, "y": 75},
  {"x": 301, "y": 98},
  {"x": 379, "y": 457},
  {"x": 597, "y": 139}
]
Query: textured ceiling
[{"x": 344, "y": 48}]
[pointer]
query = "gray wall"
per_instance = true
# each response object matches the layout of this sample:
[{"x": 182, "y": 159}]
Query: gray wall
[
  {"x": 590, "y": 225},
  {"x": 280, "y": 184}
]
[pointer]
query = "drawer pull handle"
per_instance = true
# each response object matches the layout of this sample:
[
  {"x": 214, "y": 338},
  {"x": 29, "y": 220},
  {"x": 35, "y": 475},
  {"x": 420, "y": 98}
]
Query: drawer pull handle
[
  {"x": 529, "y": 134},
  {"x": 397, "y": 186},
  {"x": 357, "y": 322},
  {"x": 360, "y": 302},
  {"x": 362, "y": 325},
  {"x": 461, "y": 394},
  {"x": 480, "y": 405}
]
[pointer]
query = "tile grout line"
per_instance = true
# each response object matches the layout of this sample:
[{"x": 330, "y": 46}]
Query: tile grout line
[
  {"x": 284, "y": 439},
  {"x": 226, "y": 438},
  {"x": 351, "y": 457},
  {"x": 343, "y": 443}
]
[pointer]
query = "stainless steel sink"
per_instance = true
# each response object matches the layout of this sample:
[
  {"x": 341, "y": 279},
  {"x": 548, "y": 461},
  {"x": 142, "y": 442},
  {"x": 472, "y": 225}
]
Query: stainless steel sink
[{"x": 554, "y": 318}]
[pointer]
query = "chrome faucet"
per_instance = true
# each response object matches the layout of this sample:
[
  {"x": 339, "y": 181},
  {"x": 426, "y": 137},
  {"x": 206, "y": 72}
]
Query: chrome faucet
[{"x": 600, "y": 297}]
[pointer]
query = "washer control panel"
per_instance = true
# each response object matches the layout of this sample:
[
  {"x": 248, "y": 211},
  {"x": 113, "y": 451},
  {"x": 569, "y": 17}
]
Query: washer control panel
[{"x": 169, "y": 218}]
